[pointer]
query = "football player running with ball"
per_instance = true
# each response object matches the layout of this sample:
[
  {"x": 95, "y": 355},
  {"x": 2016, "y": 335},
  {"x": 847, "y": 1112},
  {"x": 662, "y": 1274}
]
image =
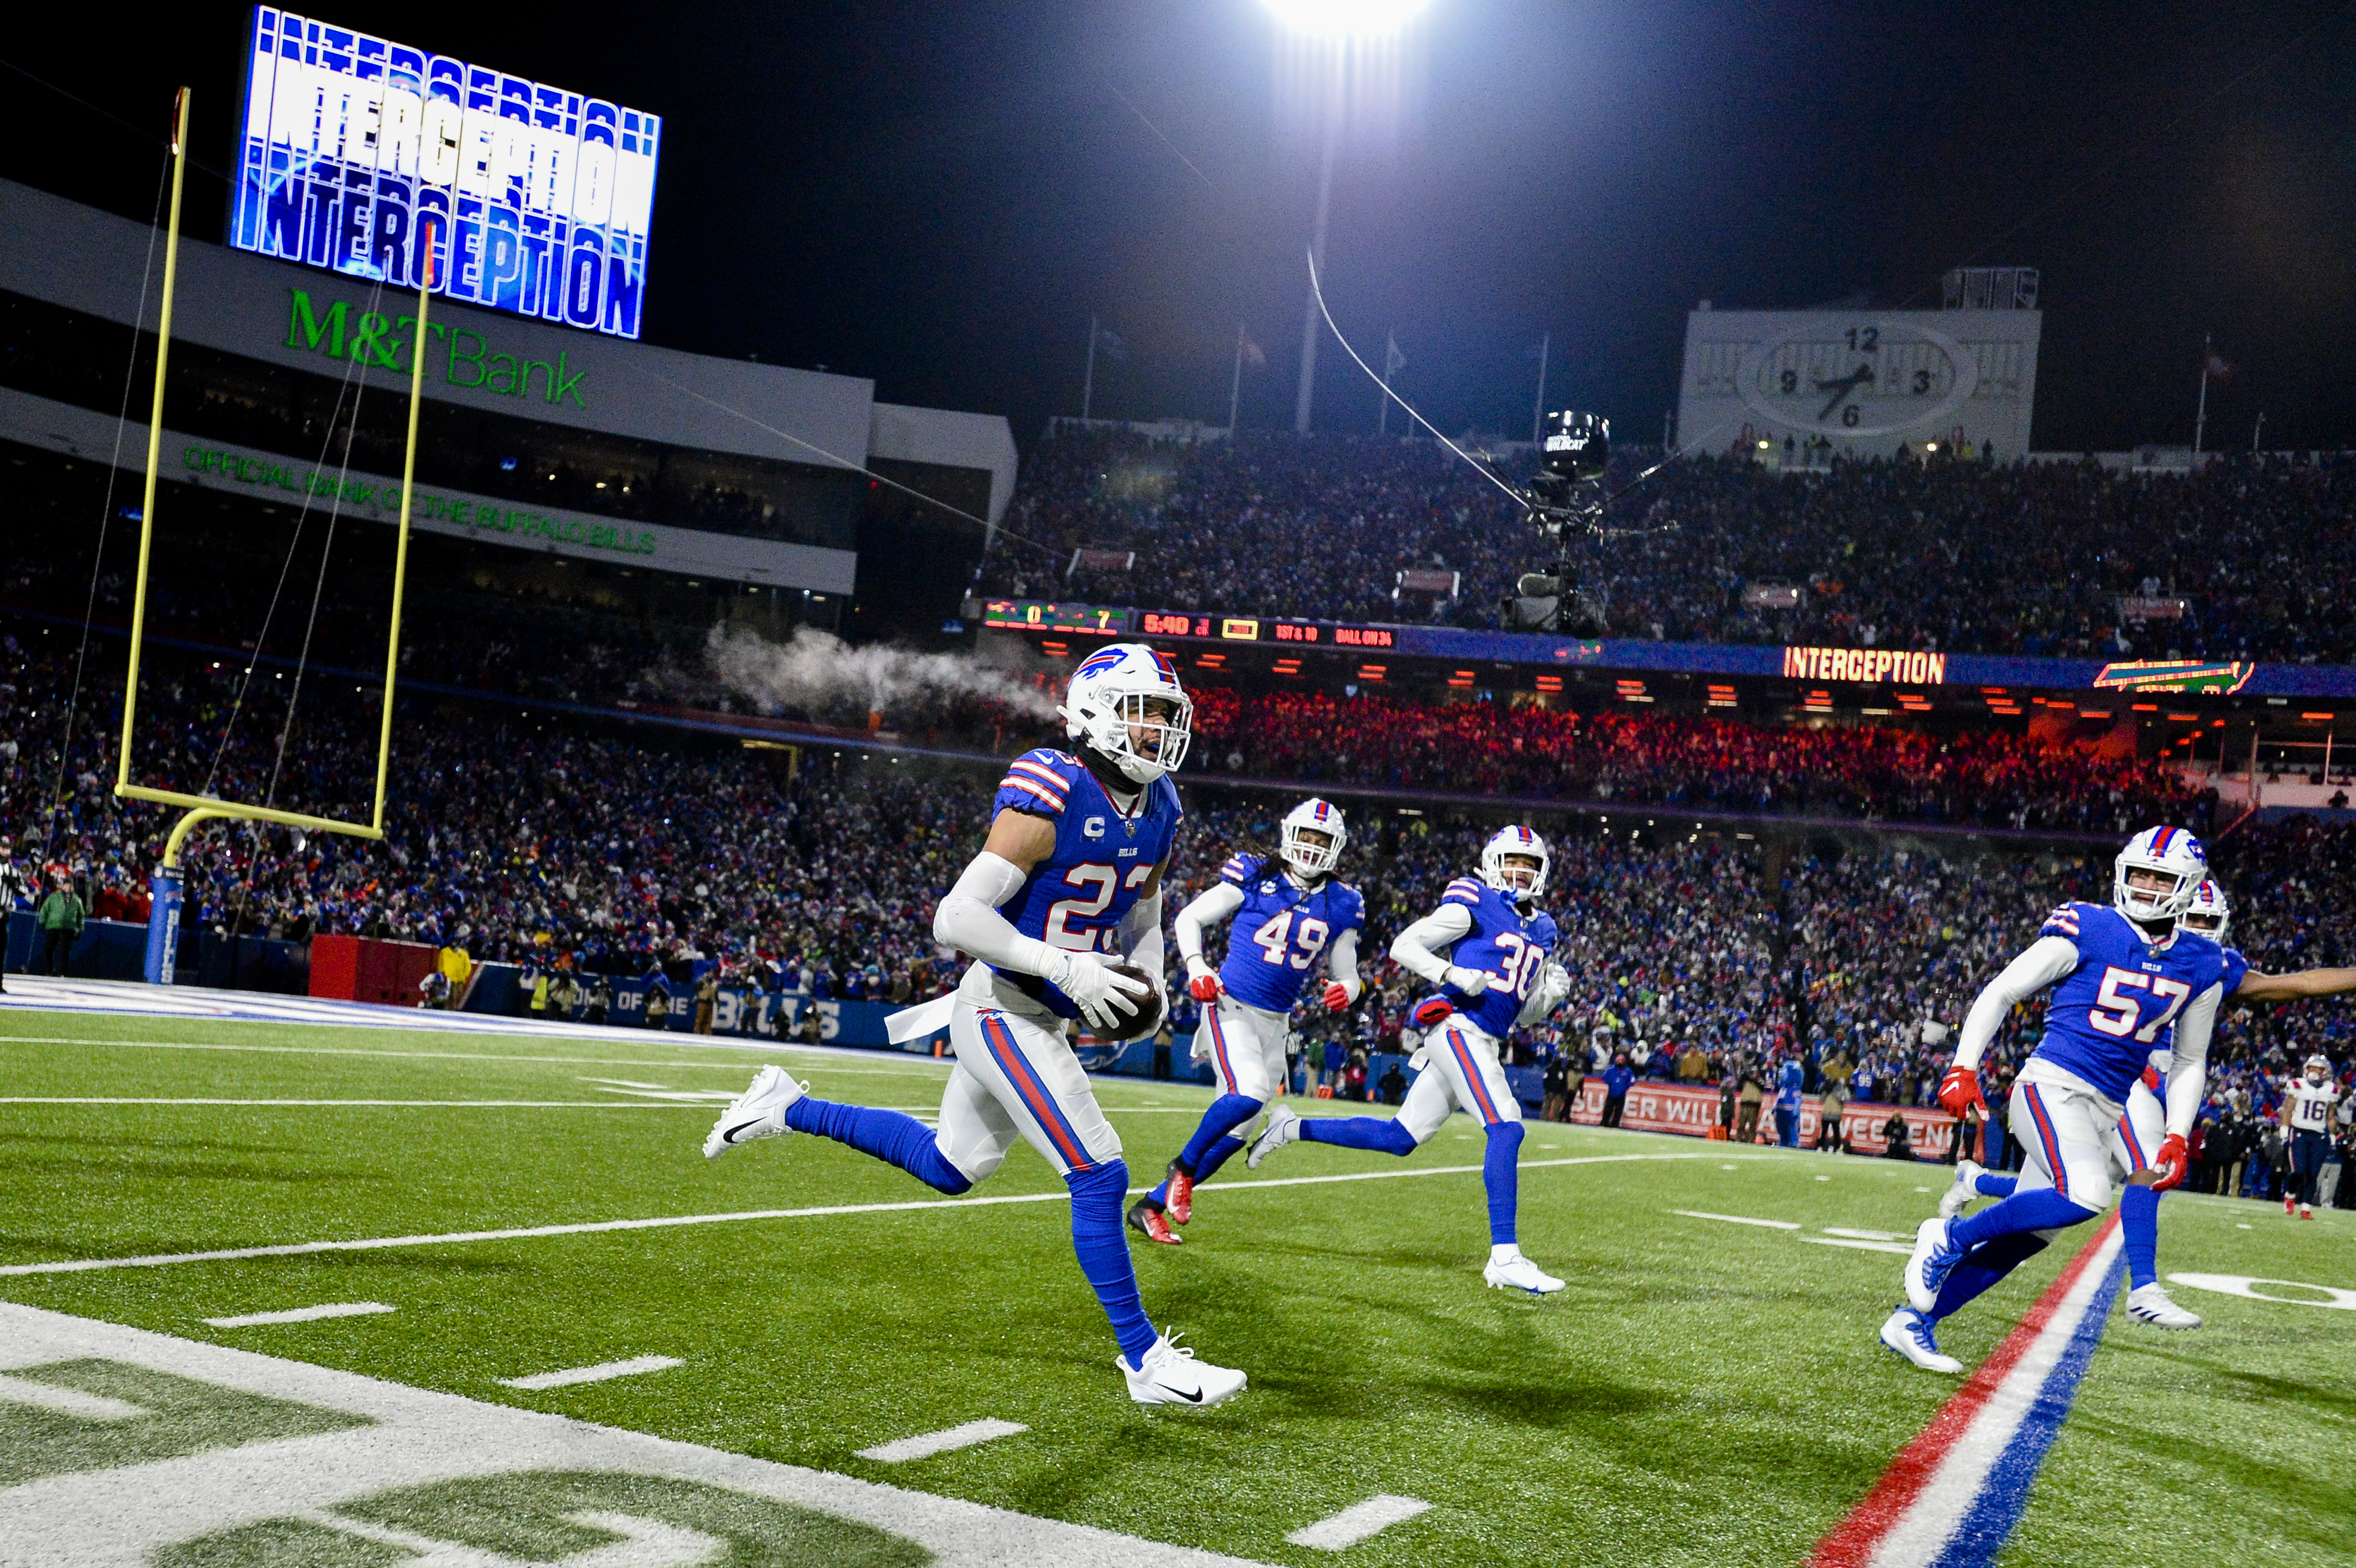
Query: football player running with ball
[
  {"x": 2123, "y": 976},
  {"x": 2135, "y": 1142},
  {"x": 1486, "y": 947},
  {"x": 1286, "y": 913},
  {"x": 1062, "y": 908}
]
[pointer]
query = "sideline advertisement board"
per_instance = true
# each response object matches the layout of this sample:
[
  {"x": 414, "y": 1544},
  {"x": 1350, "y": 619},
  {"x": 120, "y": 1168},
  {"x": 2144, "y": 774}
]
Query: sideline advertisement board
[
  {"x": 1691, "y": 1111},
  {"x": 371, "y": 157}
]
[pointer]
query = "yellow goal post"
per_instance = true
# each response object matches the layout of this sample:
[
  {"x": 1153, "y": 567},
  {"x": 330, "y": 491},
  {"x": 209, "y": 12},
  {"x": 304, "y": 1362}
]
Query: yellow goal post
[{"x": 202, "y": 808}]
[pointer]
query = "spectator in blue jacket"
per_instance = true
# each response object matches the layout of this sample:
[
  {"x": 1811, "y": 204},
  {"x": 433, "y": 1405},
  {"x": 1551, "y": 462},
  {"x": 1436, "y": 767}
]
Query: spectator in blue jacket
[
  {"x": 1788, "y": 1080},
  {"x": 1616, "y": 1080}
]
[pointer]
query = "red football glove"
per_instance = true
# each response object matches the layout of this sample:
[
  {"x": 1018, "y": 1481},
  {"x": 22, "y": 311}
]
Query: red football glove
[
  {"x": 2170, "y": 1163},
  {"x": 1959, "y": 1088},
  {"x": 1337, "y": 996},
  {"x": 1203, "y": 988},
  {"x": 1433, "y": 1011}
]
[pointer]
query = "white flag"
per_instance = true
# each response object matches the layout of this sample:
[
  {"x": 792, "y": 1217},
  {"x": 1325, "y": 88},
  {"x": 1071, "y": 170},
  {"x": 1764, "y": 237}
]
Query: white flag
[{"x": 1393, "y": 361}]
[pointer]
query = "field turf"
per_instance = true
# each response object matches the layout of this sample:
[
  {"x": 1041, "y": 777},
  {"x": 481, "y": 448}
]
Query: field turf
[{"x": 1704, "y": 1392}]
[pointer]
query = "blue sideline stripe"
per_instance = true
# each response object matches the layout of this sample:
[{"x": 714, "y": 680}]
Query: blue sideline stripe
[{"x": 1998, "y": 1508}]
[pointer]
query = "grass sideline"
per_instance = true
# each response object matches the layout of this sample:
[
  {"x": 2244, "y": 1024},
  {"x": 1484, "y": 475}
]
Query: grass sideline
[{"x": 1704, "y": 1392}]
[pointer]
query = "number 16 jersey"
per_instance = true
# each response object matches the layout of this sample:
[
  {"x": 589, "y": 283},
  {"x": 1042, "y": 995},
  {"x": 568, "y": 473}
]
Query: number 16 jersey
[
  {"x": 1279, "y": 931},
  {"x": 2108, "y": 1015}
]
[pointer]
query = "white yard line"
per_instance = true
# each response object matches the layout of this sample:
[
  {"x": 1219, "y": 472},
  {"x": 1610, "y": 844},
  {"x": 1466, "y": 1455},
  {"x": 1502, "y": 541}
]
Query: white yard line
[
  {"x": 1737, "y": 1219},
  {"x": 1358, "y": 1521},
  {"x": 66, "y": 1402},
  {"x": 932, "y": 1443},
  {"x": 1900, "y": 1248},
  {"x": 301, "y": 1314},
  {"x": 601, "y": 1372},
  {"x": 917, "y": 1064},
  {"x": 376, "y": 1244}
]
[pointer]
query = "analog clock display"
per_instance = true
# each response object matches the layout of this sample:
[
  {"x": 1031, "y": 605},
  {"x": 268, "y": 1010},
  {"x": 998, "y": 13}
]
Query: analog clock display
[{"x": 1857, "y": 377}]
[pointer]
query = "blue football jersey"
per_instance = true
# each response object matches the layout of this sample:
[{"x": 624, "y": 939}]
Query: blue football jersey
[
  {"x": 1511, "y": 946},
  {"x": 1281, "y": 930},
  {"x": 1077, "y": 897},
  {"x": 2121, "y": 1002}
]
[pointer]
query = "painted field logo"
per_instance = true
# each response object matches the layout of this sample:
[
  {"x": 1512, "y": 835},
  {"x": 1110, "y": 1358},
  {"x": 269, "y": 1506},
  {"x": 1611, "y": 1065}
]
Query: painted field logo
[
  {"x": 552, "y": 1517},
  {"x": 2176, "y": 675}
]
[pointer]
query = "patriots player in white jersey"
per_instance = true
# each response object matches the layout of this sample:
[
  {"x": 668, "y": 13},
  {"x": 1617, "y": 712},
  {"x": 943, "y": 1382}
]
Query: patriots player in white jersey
[
  {"x": 1487, "y": 949},
  {"x": 2135, "y": 1142},
  {"x": 2122, "y": 975},
  {"x": 2306, "y": 1122},
  {"x": 1078, "y": 842},
  {"x": 1287, "y": 912}
]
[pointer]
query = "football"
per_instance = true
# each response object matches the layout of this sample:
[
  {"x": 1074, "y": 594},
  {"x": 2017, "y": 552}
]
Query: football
[{"x": 1148, "y": 1007}]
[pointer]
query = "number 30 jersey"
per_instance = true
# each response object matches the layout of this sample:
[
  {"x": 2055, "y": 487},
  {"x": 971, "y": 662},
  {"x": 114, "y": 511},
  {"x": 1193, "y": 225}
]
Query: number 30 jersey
[
  {"x": 2108, "y": 1015},
  {"x": 1078, "y": 897},
  {"x": 1281, "y": 930},
  {"x": 1511, "y": 946}
]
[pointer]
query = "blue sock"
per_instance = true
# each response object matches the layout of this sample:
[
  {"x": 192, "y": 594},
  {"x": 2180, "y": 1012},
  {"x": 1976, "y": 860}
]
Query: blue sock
[
  {"x": 1982, "y": 1267},
  {"x": 2139, "y": 1224},
  {"x": 1988, "y": 1184},
  {"x": 2043, "y": 1210},
  {"x": 1378, "y": 1133},
  {"x": 889, "y": 1136},
  {"x": 1226, "y": 1113},
  {"x": 1103, "y": 1252},
  {"x": 1223, "y": 1150},
  {"x": 1501, "y": 1173}
]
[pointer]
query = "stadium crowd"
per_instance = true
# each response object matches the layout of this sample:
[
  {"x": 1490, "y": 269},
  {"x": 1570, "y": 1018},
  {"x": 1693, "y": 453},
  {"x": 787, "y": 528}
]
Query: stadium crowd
[
  {"x": 1647, "y": 758},
  {"x": 2248, "y": 557}
]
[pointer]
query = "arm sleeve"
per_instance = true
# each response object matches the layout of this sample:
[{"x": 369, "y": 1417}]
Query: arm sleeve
[
  {"x": 1207, "y": 909},
  {"x": 2187, "y": 1072},
  {"x": 2042, "y": 963},
  {"x": 969, "y": 921},
  {"x": 1341, "y": 963},
  {"x": 1444, "y": 927},
  {"x": 1141, "y": 935}
]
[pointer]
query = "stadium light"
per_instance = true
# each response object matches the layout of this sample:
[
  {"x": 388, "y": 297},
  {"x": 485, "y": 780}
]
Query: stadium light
[{"x": 1347, "y": 19}]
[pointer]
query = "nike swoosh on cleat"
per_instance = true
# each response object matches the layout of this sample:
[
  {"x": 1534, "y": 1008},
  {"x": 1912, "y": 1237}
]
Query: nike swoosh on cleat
[
  {"x": 730, "y": 1135},
  {"x": 1195, "y": 1398}
]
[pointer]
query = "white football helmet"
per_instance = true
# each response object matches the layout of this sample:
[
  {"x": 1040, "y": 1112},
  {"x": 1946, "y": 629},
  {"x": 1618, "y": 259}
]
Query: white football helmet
[
  {"x": 1514, "y": 841},
  {"x": 1312, "y": 816},
  {"x": 1108, "y": 696},
  {"x": 2208, "y": 915},
  {"x": 2171, "y": 853},
  {"x": 2319, "y": 1068}
]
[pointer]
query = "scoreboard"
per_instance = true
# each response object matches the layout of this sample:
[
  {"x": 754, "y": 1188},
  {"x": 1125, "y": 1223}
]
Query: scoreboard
[
  {"x": 1098, "y": 620},
  {"x": 1861, "y": 382}
]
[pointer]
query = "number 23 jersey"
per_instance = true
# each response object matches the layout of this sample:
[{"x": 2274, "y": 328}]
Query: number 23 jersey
[
  {"x": 1279, "y": 931},
  {"x": 2107, "y": 1015},
  {"x": 1078, "y": 897},
  {"x": 1511, "y": 946}
]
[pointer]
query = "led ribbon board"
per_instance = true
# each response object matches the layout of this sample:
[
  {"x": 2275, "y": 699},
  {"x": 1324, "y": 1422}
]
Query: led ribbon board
[{"x": 366, "y": 156}]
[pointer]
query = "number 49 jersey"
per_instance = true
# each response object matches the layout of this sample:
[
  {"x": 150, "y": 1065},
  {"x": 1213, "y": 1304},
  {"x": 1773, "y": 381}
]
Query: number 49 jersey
[
  {"x": 1281, "y": 930},
  {"x": 2108, "y": 1015},
  {"x": 1078, "y": 897},
  {"x": 1511, "y": 946}
]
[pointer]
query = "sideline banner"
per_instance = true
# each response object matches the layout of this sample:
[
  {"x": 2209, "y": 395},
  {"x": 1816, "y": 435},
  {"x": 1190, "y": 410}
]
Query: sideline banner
[{"x": 1692, "y": 1110}]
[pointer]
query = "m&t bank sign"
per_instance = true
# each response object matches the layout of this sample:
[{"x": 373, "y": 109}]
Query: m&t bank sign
[{"x": 373, "y": 158}]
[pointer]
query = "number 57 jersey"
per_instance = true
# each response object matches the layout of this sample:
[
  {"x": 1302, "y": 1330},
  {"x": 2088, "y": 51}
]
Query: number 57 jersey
[
  {"x": 2108, "y": 1015},
  {"x": 1281, "y": 930}
]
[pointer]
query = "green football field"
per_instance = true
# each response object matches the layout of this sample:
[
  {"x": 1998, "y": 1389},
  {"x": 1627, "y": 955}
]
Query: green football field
[{"x": 1704, "y": 1391}]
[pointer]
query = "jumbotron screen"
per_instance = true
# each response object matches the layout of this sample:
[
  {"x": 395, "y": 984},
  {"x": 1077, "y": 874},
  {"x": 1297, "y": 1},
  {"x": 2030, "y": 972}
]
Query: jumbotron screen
[
  {"x": 367, "y": 157},
  {"x": 1098, "y": 620}
]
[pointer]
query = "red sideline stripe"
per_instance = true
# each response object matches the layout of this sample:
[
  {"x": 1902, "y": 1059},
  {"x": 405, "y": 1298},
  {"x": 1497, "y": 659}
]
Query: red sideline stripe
[{"x": 1852, "y": 1541}]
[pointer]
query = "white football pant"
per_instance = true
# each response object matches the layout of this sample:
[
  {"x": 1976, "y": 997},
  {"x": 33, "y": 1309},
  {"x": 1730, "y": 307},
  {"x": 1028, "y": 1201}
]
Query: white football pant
[
  {"x": 2135, "y": 1138},
  {"x": 1244, "y": 1046},
  {"x": 1016, "y": 1077},
  {"x": 2065, "y": 1130},
  {"x": 1460, "y": 1070}
]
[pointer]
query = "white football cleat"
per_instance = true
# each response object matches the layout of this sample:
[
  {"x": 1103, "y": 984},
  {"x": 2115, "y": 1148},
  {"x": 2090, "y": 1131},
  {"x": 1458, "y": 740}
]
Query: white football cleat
[
  {"x": 1926, "y": 1269},
  {"x": 1517, "y": 1273},
  {"x": 2149, "y": 1304},
  {"x": 1908, "y": 1333},
  {"x": 1965, "y": 1189},
  {"x": 758, "y": 1113},
  {"x": 1283, "y": 1127},
  {"x": 1171, "y": 1375}
]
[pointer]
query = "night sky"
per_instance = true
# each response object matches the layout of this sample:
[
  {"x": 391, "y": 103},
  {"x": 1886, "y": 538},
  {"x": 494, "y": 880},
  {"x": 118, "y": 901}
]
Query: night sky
[{"x": 939, "y": 195}]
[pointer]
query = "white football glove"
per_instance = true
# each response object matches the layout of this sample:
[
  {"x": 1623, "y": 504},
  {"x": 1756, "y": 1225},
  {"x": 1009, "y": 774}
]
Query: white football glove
[
  {"x": 1470, "y": 981},
  {"x": 1553, "y": 987},
  {"x": 1092, "y": 985}
]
